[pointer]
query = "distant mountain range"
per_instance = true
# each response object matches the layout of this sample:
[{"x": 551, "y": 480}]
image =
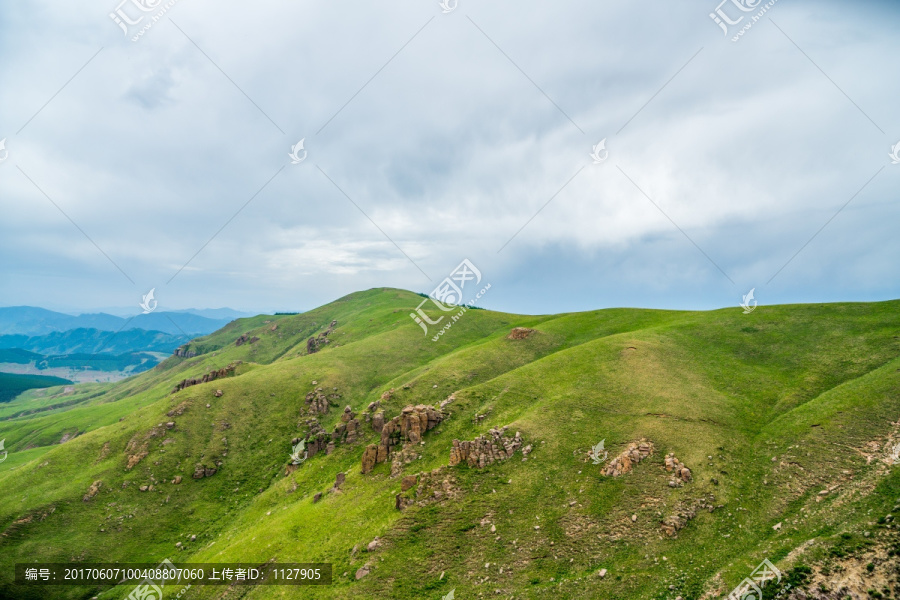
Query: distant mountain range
[
  {"x": 34, "y": 321},
  {"x": 94, "y": 341}
]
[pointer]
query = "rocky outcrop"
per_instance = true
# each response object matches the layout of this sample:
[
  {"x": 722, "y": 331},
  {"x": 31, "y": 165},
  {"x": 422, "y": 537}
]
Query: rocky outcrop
[
  {"x": 185, "y": 351},
  {"x": 677, "y": 468},
  {"x": 313, "y": 344},
  {"x": 426, "y": 488},
  {"x": 317, "y": 403},
  {"x": 211, "y": 376},
  {"x": 486, "y": 449},
  {"x": 92, "y": 491},
  {"x": 625, "y": 462},
  {"x": 245, "y": 339},
  {"x": 406, "y": 428},
  {"x": 347, "y": 430},
  {"x": 519, "y": 333}
]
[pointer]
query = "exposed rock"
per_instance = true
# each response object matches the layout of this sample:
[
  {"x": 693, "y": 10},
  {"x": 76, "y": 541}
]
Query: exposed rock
[
  {"x": 519, "y": 333},
  {"x": 675, "y": 466},
  {"x": 92, "y": 491},
  {"x": 447, "y": 401},
  {"x": 201, "y": 471},
  {"x": 317, "y": 497},
  {"x": 403, "y": 457},
  {"x": 485, "y": 449},
  {"x": 339, "y": 480},
  {"x": 144, "y": 488},
  {"x": 387, "y": 395},
  {"x": 362, "y": 572},
  {"x": 404, "y": 429},
  {"x": 318, "y": 403},
  {"x": 369, "y": 458},
  {"x": 177, "y": 480},
  {"x": 408, "y": 482},
  {"x": 374, "y": 545},
  {"x": 313, "y": 344},
  {"x": 66, "y": 437},
  {"x": 625, "y": 462},
  {"x": 245, "y": 339},
  {"x": 179, "y": 410},
  {"x": 185, "y": 351},
  {"x": 602, "y": 573},
  {"x": 211, "y": 376},
  {"x": 218, "y": 393},
  {"x": 170, "y": 425},
  {"x": 428, "y": 487},
  {"x": 676, "y": 521}
]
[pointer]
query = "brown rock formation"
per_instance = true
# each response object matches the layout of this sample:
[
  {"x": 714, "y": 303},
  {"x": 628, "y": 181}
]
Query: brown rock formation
[
  {"x": 677, "y": 468},
  {"x": 406, "y": 428},
  {"x": 625, "y": 462},
  {"x": 185, "y": 351},
  {"x": 211, "y": 376},
  {"x": 426, "y": 488},
  {"x": 313, "y": 344},
  {"x": 486, "y": 449}
]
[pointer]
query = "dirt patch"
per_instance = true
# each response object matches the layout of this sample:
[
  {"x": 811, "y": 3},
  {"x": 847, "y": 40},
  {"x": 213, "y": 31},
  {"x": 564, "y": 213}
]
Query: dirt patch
[{"x": 520, "y": 333}]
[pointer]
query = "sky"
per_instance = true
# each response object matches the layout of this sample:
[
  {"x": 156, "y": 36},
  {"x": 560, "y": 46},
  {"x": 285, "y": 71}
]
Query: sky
[{"x": 581, "y": 155}]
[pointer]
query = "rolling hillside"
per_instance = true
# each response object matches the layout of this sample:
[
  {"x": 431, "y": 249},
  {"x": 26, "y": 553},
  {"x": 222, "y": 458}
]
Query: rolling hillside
[{"x": 731, "y": 439}]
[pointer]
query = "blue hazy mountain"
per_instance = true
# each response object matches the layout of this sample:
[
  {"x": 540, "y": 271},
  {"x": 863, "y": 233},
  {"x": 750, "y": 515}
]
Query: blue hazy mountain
[{"x": 34, "y": 321}]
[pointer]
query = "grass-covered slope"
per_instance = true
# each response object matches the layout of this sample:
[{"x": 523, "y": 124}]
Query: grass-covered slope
[{"x": 784, "y": 416}]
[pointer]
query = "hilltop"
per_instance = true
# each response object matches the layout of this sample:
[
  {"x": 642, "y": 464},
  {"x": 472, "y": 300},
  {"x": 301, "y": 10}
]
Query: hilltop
[{"x": 731, "y": 439}]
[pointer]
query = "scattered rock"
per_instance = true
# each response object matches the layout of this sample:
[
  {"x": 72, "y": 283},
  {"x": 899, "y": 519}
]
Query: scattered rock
[
  {"x": 362, "y": 572},
  {"x": 144, "y": 488},
  {"x": 602, "y": 573},
  {"x": 374, "y": 545},
  {"x": 170, "y": 425},
  {"x": 338, "y": 481},
  {"x": 217, "y": 394},
  {"x": 177, "y": 480},
  {"x": 408, "y": 482},
  {"x": 201, "y": 471},
  {"x": 317, "y": 497}
]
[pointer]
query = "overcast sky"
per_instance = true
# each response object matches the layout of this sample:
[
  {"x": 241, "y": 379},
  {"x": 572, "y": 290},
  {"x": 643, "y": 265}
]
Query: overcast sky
[{"x": 431, "y": 137}]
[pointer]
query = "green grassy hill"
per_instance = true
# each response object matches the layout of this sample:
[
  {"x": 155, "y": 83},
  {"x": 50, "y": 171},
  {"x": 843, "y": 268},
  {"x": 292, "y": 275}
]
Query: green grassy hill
[{"x": 785, "y": 417}]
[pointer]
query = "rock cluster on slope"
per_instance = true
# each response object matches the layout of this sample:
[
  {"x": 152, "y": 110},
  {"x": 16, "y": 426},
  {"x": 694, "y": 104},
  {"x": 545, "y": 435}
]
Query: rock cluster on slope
[
  {"x": 314, "y": 343},
  {"x": 211, "y": 376},
  {"x": 625, "y": 462},
  {"x": 677, "y": 468},
  {"x": 406, "y": 428},
  {"x": 486, "y": 449}
]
